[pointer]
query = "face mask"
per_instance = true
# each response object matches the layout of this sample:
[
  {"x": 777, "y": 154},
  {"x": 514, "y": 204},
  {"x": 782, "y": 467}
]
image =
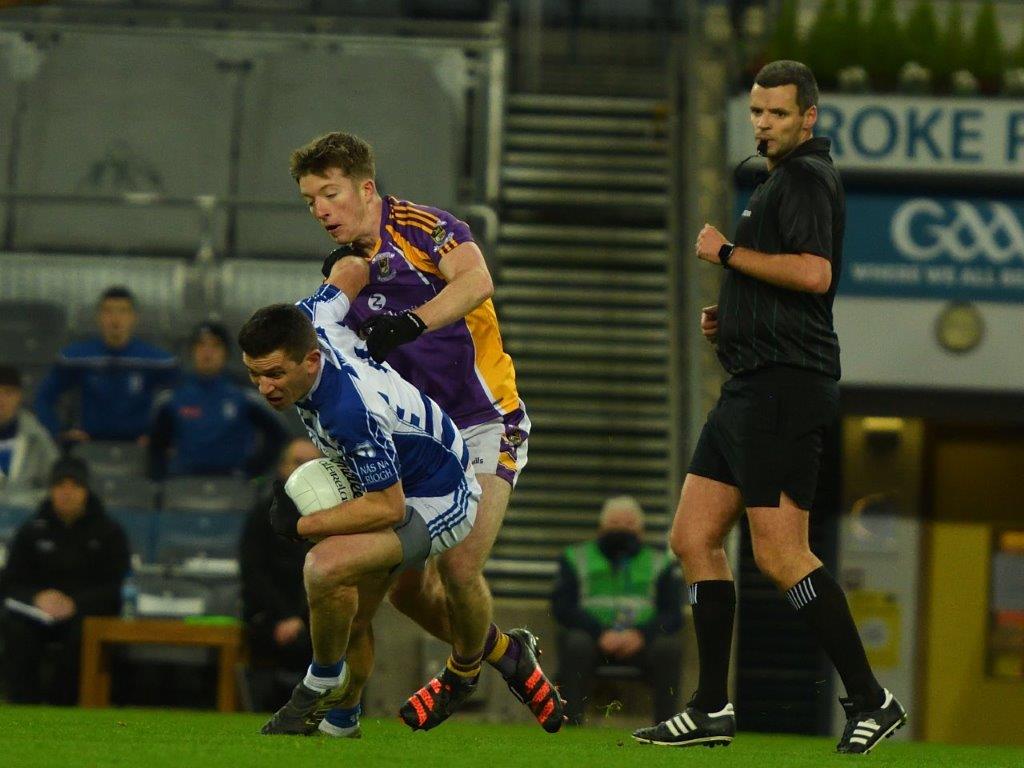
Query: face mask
[{"x": 618, "y": 544}]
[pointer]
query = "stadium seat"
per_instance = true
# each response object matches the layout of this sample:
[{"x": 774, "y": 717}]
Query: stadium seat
[
  {"x": 140, "y": 525},
  {"x": 31, "y": 375},
  {"x": 11, "y": 518},
  {"x": 183, "y": 534},
  {"x": 112, "y": 459},
  {"x": 31, "y": 332},
  {"x": 131, "y": 492},
  {"x": 208, "y": 494}
]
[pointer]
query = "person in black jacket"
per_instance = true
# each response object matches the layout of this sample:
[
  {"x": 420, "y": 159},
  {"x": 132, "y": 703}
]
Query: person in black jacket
[
  {"x": 273, "y": 596},
  {"x": 67, "y": 562}
]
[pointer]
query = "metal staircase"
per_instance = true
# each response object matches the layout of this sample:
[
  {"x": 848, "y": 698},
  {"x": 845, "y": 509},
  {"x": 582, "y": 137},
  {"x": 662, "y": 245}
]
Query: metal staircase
[{"x": 583, "y": 299}]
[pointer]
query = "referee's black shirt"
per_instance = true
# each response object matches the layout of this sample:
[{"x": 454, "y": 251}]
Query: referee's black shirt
[{"x": 800, "y": 208}]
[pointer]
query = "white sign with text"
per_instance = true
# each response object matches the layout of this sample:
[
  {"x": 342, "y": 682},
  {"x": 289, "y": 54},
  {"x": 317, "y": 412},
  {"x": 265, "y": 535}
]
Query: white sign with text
[{"x": 908, "y": 134}]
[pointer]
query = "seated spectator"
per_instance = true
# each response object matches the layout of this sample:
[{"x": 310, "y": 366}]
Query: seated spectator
[
  {"x": 115, "y": 377},
  {"x": 27, "y": 451},
  {"x": 210, "y": 424},
  {"x": 618, "y": 602},
  {"x": 273, "y": 596},
  {"x": 65, "y": 563}
]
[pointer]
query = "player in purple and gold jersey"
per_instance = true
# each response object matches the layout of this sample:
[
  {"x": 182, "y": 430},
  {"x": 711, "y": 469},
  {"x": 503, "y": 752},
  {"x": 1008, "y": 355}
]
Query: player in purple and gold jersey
[{"x": 427, "y": 310}]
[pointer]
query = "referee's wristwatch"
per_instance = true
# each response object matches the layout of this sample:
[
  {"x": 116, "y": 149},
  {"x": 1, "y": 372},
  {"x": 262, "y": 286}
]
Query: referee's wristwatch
[{"x": 725, "y": 253}]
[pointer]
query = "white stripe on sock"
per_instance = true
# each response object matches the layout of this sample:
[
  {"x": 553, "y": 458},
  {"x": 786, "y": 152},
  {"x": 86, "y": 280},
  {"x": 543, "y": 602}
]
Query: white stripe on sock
[{"x": 801, "y": 593}]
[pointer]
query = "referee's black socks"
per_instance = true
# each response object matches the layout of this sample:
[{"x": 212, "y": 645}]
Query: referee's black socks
[
  {"x": 820, "y": 601},
  {"x": 714, "y": 606}
]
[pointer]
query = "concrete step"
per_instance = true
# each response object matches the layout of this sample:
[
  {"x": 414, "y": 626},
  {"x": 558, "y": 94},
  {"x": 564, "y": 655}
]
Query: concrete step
[
  {"x": 578, "y": 177},
  {"x": 590, "y": 161},
  {"x": 584, "y": 197},
  {"x": 547, "y": 102},
  {"x": 574, "y": 124},
  {"x": 579, "y": 143},
  {"x": 560, "y": 233}
]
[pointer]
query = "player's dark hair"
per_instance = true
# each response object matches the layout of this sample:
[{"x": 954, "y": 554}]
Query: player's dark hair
[
  {"x": 117, "y": 292},
  {"x": 278, "y": 326},
  {"x": 344, "y": 151},
  {"x": 786, "y": 72}
]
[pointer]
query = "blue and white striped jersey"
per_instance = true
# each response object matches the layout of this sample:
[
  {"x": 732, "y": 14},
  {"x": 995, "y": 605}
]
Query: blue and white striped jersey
[{"x": 374, "y": 423}]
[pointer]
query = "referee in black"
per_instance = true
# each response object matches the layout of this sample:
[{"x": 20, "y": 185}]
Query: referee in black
[{"x": 761, "y": 446}]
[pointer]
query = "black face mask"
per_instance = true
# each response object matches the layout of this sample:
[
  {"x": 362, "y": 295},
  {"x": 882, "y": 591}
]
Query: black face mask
[{"x": 616, "y": 545}]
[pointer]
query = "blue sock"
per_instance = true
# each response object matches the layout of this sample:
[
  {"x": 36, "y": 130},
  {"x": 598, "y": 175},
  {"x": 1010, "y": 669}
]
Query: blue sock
[
  {"x": 326, "y": 670},
  {"x": 344, "y": 718}
]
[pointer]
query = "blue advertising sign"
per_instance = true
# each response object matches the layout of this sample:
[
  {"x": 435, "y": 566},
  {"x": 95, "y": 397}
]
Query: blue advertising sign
[{"x": 932, "y": 247}]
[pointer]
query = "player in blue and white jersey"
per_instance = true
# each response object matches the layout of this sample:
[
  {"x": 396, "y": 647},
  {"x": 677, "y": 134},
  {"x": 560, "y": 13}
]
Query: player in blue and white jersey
[{"x": 418, "y": 497}]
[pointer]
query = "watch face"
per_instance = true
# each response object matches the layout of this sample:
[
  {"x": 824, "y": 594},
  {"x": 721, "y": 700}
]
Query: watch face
[{"x": 960, "y": 327}]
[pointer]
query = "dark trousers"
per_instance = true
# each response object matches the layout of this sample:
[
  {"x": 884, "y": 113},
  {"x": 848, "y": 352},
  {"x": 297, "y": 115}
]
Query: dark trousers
[
  {"x": 32, "y": 649},
  {"x": 579, "y": 657},
  {"x": 274, "y": 669}
]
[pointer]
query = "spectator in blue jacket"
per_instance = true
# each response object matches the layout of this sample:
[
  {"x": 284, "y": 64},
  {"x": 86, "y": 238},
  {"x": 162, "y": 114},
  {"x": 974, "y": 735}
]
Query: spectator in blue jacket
[
  {"x": 115, "y": 377},
  {"x": 210, "y": 424}
]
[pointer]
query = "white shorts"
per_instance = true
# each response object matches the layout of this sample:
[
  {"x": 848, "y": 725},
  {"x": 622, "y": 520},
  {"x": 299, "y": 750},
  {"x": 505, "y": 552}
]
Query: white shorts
[
  {"x": 437, "y": 523},
  {"x": 499, "y": 447}
]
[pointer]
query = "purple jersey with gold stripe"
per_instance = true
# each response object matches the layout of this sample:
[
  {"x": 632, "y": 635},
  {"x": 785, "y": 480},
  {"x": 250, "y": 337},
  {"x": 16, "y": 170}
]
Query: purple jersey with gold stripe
[{"x": 463, "y": 366}]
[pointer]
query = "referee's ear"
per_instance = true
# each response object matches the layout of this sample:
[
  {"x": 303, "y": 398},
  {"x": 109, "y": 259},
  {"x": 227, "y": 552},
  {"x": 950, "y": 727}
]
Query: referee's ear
[{"x": 810, "y": 117}]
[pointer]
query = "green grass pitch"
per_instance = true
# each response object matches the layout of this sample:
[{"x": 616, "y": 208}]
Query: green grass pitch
[{"x": 32, "y": 737}]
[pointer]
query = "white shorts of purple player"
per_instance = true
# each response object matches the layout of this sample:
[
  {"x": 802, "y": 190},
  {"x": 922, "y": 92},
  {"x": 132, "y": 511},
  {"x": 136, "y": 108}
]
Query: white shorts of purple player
[{"x": 499, "y": 447}]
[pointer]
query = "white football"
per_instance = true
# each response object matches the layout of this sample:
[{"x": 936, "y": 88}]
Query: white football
[{"x": 317, "y": 485}]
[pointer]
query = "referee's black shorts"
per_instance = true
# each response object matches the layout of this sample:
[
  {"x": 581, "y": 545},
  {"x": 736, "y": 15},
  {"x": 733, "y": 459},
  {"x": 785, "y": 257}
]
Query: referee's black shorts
[{"x": 764, "y": 435}]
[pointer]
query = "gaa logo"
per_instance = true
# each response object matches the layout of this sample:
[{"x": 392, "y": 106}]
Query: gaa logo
[
  {"x": 377, "y": 301},
  {"x": 924, "y": 230}
]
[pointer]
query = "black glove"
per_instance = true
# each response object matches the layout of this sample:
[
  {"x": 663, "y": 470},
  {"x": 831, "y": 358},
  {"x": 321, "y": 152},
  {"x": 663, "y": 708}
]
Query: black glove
[
  {"x": 336, "y": 255},
  {"x": 284, "y": 515},
  {"x": 385, "y": 332}
]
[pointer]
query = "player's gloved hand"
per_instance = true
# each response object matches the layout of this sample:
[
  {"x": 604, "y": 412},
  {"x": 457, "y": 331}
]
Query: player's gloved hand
[
  {"x": 335, "y": 256},
  {"x": 385, "y": 332},
  {"x": 284, "y": 515}
]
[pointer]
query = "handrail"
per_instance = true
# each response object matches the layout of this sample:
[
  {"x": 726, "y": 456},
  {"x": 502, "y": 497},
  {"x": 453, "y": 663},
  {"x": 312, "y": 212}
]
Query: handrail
[
  {"x": 206, "y": 205},
  {"x": 257, "y": 26}
]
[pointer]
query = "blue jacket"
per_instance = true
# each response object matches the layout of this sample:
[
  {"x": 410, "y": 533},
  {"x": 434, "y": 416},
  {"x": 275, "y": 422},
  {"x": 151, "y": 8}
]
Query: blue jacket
[
  {"x": 213, "y": 423},
  {"x": 115, "y": 386}
]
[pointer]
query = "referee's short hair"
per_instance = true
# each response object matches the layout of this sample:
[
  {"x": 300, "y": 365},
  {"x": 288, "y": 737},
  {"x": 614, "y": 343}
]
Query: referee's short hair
[
  {"x": 278, "y": 326},
  {"x": 344, "y": 151},
  {"x": 787, "y": 72}
]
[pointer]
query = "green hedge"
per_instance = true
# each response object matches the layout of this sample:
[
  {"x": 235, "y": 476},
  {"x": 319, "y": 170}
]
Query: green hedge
[{"x": 868, "y": 33}]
